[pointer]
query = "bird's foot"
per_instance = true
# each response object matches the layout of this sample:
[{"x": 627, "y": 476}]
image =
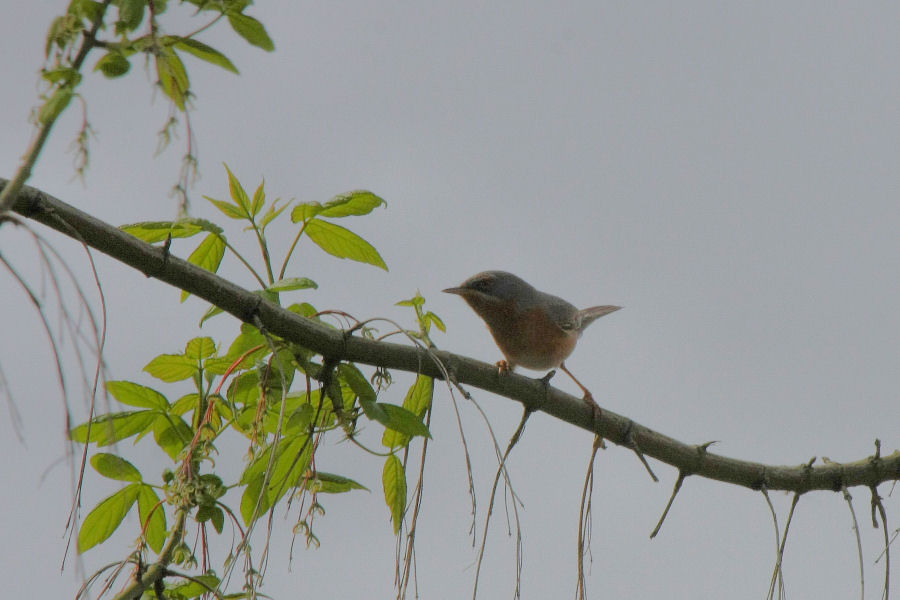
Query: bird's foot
[{"x": 503, "y": 367}]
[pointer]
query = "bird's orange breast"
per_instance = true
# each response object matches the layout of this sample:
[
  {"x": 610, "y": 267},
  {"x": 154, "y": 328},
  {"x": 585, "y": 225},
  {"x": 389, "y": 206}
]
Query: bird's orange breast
[{"x": 530, "y": 339}]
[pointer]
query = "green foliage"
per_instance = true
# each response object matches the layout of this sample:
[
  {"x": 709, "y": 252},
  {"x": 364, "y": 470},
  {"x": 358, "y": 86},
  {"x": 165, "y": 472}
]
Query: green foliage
[
  {"x": 256, "y": 388},
  {"x": 393, "y": 478},
  {"x": 173, "y": 79}
]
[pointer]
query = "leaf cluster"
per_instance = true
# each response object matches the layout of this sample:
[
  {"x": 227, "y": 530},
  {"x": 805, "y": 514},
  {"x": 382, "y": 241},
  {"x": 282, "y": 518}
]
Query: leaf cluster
[{"x": 279, "y": 397}]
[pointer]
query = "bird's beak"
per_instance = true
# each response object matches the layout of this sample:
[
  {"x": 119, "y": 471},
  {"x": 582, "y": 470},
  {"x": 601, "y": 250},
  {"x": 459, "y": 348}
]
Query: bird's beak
[{"x": 456, "y": 290}]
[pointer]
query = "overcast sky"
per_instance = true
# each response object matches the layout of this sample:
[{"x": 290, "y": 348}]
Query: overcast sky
[{"x": 727, "y": 172}]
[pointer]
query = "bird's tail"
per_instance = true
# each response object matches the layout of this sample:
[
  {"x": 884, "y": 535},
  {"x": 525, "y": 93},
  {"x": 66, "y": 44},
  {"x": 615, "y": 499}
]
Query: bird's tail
[{"x": 589, "y": 315}]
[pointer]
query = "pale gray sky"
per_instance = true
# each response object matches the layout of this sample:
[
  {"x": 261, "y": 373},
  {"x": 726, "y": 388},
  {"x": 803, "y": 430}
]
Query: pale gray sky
[{"x": 727, "y": 172}]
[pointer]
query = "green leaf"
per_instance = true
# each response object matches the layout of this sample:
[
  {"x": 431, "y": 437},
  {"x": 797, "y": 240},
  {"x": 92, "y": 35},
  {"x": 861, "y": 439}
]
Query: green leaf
[
  {"x": 418, "y": 398},
  {"x": 208, "y": 255},
  {"x": 306, "y": 210},
  {"x": 417, "y": 401},
  {"x": 155, "y": 530},
  {"x": 272, "y": 213},
  {"x": 88, "y": 10},
  {"x": 62, "y": 75},
  {"x": 111, "y": 428},
  {"x": 172, "y": 434},
  {"x": 353, "y": 377},
  {"x": 106, "y": 517},
  {"x": 251, "y": 30},
  {"x": 171, "y": 367},
  {"x": 292, "y": 283},
  {"x": 184, "y": 404},
  {"x": 185, "y": 590},
  {"x": 55, "y": 104},
  {"x": 343, "y": 243},
  {"x": 292, "y": 458},
  {"x": 431, "y": 318},
  {"x": 211, "y": 512},
  {"x": 329, "y": 483},
  {"x": 133, "y": 394},
  {"x": 131, "y": 13},
  {"x": 158, "y": 231},
  {"x": 200, "y": 348},
  {"x": 229, "y": 210},
  {"x": 237, "y": 192},
  {"x": 207, "y": 53},
  {"x": 403, "y": 421},
  {"x": 253, "y": 495},
  {"x": 115, "y": 467},
  {"x": 250, "y": 337},
  {"x": 173, "y": 78},
  {"x": 415, "y": 301},
  {"x": 113, "y": 64},
  {"x": 209, "y": 314},
  {"x": 359, "y": 202},
  {"x": 393, "y": 478},
  {"x": 259, "y": 198}
]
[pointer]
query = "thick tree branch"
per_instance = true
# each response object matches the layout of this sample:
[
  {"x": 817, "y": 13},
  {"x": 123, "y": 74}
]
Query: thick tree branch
[{"x": 533, "y": 393}]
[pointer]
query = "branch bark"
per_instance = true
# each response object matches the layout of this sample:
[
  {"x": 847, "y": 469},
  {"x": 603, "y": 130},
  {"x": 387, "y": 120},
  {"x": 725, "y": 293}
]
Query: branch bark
[{"x": 533, "y": 393}]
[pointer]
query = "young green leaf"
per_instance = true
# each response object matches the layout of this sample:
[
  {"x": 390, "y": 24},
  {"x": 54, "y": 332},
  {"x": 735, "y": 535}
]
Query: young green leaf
[
  {"x": 433, "y": 319},
  {"x": 393, "y": 478},
  {"x": 402, "y": 421},
  {"x": 330, "y": 483},
  {"x": 207, "y": 53},
  {"x": 131, "y": 13},
  {"x": 418, "y": 398},
  {"x": 155, "y": 530},
  {"x": 305, "y": 210},
  {"x": 253, "y": 495},
  {"x": 272, "y": 213},
  {"x": 158, "y": 231},
  {"x": 359, "y": 202},
  {"x": 184, "y": 404},
  {"x": 208, "y": 255},
  {"x": 113, "y": 427},
  {"x": 417, "y": 401},
  {"x": 199, "y": 585},
  {"x": 200, "y": 348},
  {"x": 292, "y": 283},
  {"x": 115, "y": 467},
  {"x": 106, "y": 517},
  {"x": 173, "y": 77},
  {"x": 237, "y": 192},
  {"x": 171, "y": 367},
  {"x": 211, "y": 512},
  {"x": 172, "y": 434},
  {"x": 343, "y": 243},
  {"x": 55, "y": 104},
  {"x": 134, "y": 394},
  {"x": 251, "y": 30},
  {"x": 259, "y": 198},
  {"x": 112, "y": 65},
  {"x": 229, "y": 210}
]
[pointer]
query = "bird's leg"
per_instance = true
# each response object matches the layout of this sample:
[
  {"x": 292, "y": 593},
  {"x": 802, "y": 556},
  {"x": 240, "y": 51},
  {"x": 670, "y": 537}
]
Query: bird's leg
[
  {"x": 589, "y": 400},
  {"x": 587, "y": 393},
  {"x": 588, "y": 397},
  {"x": 504, "y": 367}
]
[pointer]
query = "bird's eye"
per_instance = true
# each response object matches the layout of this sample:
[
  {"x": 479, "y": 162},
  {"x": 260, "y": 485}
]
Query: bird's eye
[{"x": 479, "y": 285}]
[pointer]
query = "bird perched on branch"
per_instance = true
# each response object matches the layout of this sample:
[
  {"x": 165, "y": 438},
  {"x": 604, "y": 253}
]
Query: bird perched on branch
[{"x": 533, "y": 329}]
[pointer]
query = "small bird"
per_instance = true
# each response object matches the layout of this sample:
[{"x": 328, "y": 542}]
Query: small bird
[{"x": 533, "y": 329}]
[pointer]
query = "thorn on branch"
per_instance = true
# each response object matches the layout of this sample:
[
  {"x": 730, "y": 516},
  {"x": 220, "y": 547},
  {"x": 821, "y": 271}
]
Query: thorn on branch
[
  {"x": 681, "y": 477},
  {"x": 631, "y": 442}
]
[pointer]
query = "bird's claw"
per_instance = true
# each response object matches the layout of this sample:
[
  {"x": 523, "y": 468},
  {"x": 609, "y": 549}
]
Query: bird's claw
[{"x": 503, "y": 367}]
